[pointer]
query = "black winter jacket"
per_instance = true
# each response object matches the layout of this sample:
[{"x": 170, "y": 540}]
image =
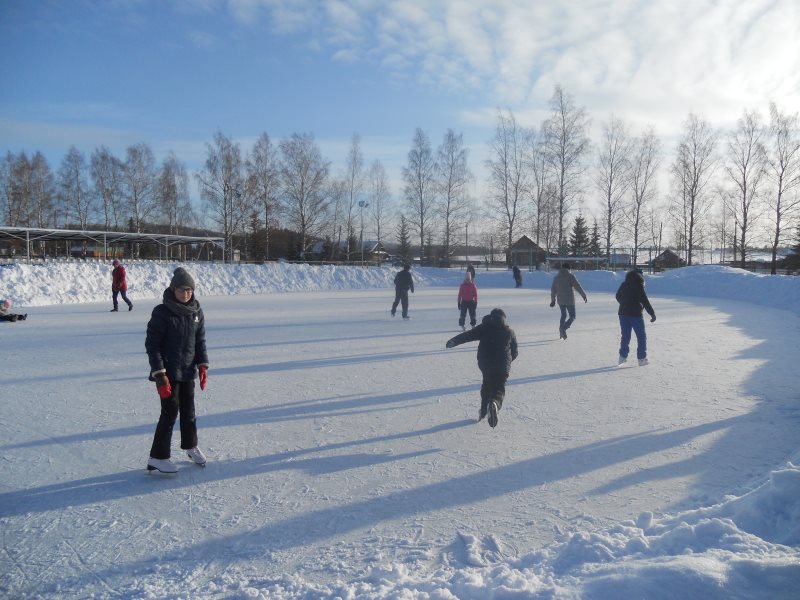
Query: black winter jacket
[
  {"x": 176, "y": 338},
  {"x": 632, "y": 298},
  {"x": 497, "y": 346},
  {"x": 403, "y": 281}
]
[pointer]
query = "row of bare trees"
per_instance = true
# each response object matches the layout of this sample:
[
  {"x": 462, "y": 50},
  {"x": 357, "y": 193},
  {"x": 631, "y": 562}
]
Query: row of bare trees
[
  {"x": 728, "y": 188},
  {"x": 538, "y": 176}
]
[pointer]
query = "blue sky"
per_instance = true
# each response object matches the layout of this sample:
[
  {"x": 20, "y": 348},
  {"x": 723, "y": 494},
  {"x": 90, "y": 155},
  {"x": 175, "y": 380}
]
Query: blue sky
[{"x": 171, "y": 73}]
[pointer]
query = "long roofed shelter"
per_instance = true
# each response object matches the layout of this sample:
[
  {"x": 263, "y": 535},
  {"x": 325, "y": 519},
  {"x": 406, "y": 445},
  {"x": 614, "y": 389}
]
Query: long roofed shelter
[{"x": 106, "y": 239}]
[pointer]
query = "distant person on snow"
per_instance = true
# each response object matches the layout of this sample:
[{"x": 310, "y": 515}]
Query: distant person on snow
[
  {"x": 517, "y": 276},
  {"x": 632, "y": 300},
  {"x": 7, "y": 315},
  {"x": 471, "y": 270},
  {"x": 467, "y": 301},
  {"x": 176, "y": 349},
  {"x": 562, "y": 290},
  {"x": 403, "y": 282},
  {"x": 497, "y": 349},
  {"x": 119, "y": 285}
]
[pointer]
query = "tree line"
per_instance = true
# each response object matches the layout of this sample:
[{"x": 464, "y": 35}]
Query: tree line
[{"x": 728, "y": 189}]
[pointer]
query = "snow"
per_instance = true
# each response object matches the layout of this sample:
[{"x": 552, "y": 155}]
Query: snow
[{"x": 344, "y": 456}]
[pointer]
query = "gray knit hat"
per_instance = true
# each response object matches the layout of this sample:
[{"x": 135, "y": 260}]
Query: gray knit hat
[{"x": 181, "y": 278}]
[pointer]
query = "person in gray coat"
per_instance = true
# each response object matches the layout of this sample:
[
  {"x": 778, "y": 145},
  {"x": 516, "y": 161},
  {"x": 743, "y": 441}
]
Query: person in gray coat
[{"x": 563, "y": 289}]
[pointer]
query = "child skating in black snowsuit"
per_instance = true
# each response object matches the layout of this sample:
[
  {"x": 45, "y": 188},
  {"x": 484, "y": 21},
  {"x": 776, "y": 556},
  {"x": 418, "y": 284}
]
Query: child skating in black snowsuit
[{"x": 497, "y": 348}]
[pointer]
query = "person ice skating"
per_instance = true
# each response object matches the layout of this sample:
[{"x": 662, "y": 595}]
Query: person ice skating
[
  {"x": 497, "y": 349},
  {"x": 119, "y": 285},
  {"x": 176, "y": 349},
  {"x": 467, "y": 301},
  {"x": 7, "y": 315},
  {"x": 563, "y": 290},
  {"x": 403, "y": 282},
  {"x": 632, "y": 300},
  {"x": 517, "y": 276},
  {"x": 471, "y": 270}
]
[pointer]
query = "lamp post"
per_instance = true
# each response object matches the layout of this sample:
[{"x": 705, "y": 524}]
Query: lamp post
[{"x": 362, "y": 205}]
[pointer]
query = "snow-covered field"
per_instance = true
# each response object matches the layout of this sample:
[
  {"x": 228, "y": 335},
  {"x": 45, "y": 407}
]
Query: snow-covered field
[{"x": 344, "y": 456}]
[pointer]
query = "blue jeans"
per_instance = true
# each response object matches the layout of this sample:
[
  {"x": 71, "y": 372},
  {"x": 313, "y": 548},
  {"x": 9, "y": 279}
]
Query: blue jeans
[
  {"x": 626, "y": 324},
  {"x": 564, "y": 324},
  {"x": 124, "y": 297}
]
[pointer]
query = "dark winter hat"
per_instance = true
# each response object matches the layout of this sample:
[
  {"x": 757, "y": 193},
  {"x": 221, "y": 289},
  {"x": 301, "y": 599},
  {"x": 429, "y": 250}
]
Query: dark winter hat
[
  {"x": 566, "y": 265},
  {"x": 181, "y": 278},
  {"x": 406, "y": 267},
  {"x": 115, "y": 262},
  {"x": 498, "y": 313}
]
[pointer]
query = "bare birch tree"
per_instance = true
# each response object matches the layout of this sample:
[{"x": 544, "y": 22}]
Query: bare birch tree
[
  {"x": 263, "y": 182},
  {"x": 139, "y": 183},
  {"x": 539, "y": 188},
  {"x": 694, "y": 166},
  {"x": 567, "y": 145},
  {"x": 612, "y": 177},
  {"x": 354, "y": 180},
  {"x": 74, "y": 189},
  {"x": 173, "y": 193},
  {"x": 783, "y": 172},
  {"x": 746, "y": 167},
  {"x": 107, "y": 176},
  {"x": 508, "y": 184},
  {"x": 453, "y": 179},
  {"x": 419, "y": 176},
  {"x": 303, "y": 175},
  {"x": 644, "y": 162},
  {"x": 380, "y": 195},
  {"x": 43, "y": 191},
  {"x": 222, "y": 187}
]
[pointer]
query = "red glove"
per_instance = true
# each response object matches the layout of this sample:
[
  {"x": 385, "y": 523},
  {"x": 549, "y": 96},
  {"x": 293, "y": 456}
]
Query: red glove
[
  {"x": 203, "y": 376},
  {"x": 163, "y": 386}
]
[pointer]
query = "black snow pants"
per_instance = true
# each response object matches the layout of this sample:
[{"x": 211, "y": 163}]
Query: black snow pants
[
  {"x": 400, "y": 297},
  {"x": 493, "y": 388},
  {"x": 467, "y": 305},
  {"x": 181, "y": 400}
]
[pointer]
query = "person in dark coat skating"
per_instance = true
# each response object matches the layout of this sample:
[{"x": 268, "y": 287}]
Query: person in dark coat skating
[
  {"x": 176, "y": 349},
  {"x": 632, "y": 301},
  {"x": 517, "y": 276},
  {"x": 403, "y": 282},
  {"x": 119, "y": 285},
  {"x": 497, "y": 349}
]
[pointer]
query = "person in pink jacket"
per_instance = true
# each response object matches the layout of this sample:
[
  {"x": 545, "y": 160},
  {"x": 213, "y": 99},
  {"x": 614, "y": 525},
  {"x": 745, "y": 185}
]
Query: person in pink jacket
[{"x": 467, "y": 301}]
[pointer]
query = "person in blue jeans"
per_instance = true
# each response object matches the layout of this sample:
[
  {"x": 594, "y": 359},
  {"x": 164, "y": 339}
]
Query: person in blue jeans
[{"x": 632, "y": 301}]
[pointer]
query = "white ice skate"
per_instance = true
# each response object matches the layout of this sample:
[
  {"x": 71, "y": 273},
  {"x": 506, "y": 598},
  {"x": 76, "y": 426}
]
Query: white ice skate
[
  {"x": 162, "y": 465},
  {"x": 197, "y": 456}
]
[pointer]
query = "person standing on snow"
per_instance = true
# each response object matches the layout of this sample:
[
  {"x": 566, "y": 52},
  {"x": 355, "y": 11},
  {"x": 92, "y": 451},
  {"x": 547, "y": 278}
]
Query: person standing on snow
[
  {"x": 467, "y": 301},
  {"x": 497, "y": 349},
  {"x": 562, "y": 289},
  {"x": 632, "y": 300},
  {"x": 403, "y": 282},
  {"x": 176, "y": 349},
  {"x": 119, "y": 285},
  {"x": 517, "y": 276}
]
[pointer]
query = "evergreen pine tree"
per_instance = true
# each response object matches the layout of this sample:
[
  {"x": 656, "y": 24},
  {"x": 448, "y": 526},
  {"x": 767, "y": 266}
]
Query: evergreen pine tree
[
  {"x": 594, "y": 245},
  {"x": 404, "y": 240},
  {"x": 579, "y": 238}
]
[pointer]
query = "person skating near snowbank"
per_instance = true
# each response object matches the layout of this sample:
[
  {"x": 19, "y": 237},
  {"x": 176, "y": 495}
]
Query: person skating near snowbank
[
  {"x": 563, "y": 290},
  {"x": 176, "y": 349},
  {"x": 517, "y": 276},
  {"x": 119, "y": 285},
  {"x": 632, "y": 301},
  {"x": 467, "y": 301},
  {"x": 497, "y": 349},
  {"x": 7, "y": 315},
  {"x": 403, "y": 282}
]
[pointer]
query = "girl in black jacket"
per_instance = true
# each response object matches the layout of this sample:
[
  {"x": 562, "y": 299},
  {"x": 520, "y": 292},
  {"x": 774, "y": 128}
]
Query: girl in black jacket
[
  {"x": 632, "y": 300},
  {"x": 497, "y": 349},
  {"x": 176, "y": 349}
]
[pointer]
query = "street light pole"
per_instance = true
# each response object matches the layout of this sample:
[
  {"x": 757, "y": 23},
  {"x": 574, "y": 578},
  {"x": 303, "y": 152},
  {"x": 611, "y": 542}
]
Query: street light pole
[{"x": 362, "y": 205}]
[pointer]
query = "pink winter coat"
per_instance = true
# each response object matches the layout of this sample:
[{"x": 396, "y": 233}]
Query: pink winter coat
[{"x": 467, "y": 292}]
